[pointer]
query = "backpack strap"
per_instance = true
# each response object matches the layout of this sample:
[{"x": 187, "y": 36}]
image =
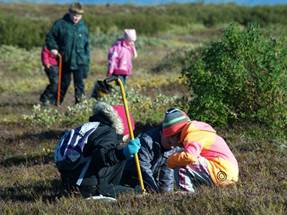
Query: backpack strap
[
  {"x": 84, "y": 170},
  {"x": 87, "y": 160},
  {"x": 69, "y": 142}
]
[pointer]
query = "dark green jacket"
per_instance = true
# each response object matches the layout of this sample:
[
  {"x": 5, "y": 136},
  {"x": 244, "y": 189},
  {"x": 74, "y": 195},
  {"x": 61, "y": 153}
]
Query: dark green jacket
[{"x": 71, "y": 40}]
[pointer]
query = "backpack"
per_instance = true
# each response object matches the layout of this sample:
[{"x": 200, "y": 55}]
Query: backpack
[
  {"x": 68, "y": 153},
  {"x": 101, "y": 88}
]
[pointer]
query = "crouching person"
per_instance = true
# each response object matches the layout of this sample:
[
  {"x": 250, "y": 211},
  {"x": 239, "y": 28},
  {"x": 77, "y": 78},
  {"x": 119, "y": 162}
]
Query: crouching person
[
  {"x": 205, "y": 158},
  {"x": 91, "y": 157},
  {"x": 153, "y": 154}
]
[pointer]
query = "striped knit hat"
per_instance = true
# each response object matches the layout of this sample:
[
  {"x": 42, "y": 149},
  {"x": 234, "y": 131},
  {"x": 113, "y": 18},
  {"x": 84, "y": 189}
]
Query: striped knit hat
[{"x": 174, "y": 121}]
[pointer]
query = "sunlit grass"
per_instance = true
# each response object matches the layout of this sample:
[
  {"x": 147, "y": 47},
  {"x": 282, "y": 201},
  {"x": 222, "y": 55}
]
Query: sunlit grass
[
  {"x": 22, "y": 86},
  {"x": 30, "y": 182}
]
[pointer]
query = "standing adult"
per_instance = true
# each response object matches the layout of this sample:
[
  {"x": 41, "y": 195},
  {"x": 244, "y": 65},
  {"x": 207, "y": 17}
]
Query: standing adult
[{"x": 69, "y": 37}]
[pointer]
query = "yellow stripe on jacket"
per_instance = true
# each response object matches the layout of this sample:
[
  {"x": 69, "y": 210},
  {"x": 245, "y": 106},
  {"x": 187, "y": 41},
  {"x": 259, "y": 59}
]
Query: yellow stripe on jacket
[{"x": 200, "y": 139}]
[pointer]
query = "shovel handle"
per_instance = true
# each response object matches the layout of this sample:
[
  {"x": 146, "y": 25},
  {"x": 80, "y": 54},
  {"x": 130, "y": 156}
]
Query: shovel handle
[
  {"x": 119, "y": 82},
  {"x": 59, "y": 80},
  {"x": 136, "y": 157}
]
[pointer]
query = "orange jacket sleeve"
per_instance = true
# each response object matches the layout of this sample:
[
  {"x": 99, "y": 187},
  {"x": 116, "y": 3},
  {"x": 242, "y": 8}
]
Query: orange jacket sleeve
[{"x": 180, "y": 159}]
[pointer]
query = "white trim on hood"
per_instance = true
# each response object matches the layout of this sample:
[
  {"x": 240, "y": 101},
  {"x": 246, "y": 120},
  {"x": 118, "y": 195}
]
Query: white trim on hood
[{"x": 111, "y": 114}]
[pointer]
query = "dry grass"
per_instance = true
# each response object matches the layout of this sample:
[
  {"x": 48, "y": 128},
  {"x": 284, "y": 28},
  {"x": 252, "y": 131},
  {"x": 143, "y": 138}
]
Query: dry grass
[{"x": 30, "y": 183}]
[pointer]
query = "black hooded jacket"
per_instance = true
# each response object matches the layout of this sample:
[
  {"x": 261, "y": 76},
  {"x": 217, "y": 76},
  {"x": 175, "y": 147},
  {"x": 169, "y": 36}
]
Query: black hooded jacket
[{"x": 104, "y": 144}]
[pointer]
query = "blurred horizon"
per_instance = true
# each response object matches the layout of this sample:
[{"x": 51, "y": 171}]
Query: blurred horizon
[{"x": 153, "y": 2}]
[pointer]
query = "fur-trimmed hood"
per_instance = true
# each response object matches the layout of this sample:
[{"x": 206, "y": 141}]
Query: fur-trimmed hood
[{"x": 106, "y": 111}]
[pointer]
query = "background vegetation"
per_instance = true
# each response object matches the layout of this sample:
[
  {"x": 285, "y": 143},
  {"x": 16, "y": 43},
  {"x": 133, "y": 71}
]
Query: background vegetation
[
  {"x": 246, "y": 77},
  {"x": 233, "y": 77},
  {"x": 26, "y": 25}
]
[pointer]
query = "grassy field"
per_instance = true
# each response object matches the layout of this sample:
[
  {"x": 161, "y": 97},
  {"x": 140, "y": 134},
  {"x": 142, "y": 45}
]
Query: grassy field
[{"x": 30, "y": 183}]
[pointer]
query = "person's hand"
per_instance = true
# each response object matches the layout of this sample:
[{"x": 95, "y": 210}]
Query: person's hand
[
  {"x": 55, "y": 52},
  {"x": 47, "y": 66},
  {"x": 132, "y": 148},
  {"x": 109, "y": 73}
]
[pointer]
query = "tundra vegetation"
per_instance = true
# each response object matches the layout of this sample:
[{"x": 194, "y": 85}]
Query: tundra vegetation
[{"x": 224, "y": 64}]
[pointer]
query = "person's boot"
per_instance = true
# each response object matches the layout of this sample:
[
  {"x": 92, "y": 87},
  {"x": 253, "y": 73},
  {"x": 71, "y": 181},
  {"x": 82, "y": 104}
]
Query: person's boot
[
  {"x": 79, "y": 99},
  {"x": 44, "y": 102}
]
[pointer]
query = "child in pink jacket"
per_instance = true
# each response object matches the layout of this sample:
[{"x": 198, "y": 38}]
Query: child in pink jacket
[
  {"x": 50, "y": 64},
  {"x": 121, "y": 54},
  {"x": 204, "y": 159}
]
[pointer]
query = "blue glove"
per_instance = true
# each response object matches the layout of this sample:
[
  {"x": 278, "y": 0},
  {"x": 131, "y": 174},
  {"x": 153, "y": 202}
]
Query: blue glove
[{"x": 132, "y": 148}]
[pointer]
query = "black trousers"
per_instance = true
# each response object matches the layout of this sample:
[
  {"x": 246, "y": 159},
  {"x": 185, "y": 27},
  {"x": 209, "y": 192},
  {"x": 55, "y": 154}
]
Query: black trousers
[
  {"x": 50, "y": 93},
  {"x": 106, "y": 181},
  {"x": 78, "y": 77}
]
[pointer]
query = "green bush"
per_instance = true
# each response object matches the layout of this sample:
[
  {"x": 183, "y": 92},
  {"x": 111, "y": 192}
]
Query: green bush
[
  {"x": 146, "y": 24},
  {"x": 241, "y": 77},
  {"x": 104, "y": 40},
  {"x": 22, "y": 32}
]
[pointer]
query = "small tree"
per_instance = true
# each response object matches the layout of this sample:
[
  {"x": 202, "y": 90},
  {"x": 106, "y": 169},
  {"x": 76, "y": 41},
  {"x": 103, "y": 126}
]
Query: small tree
[{"x": 241, "y": 77}]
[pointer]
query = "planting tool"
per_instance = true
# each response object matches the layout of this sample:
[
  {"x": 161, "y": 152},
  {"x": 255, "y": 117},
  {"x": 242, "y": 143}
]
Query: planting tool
[
  {"x": 119, "y": 82},
  {"x": 59, "y": 80}
]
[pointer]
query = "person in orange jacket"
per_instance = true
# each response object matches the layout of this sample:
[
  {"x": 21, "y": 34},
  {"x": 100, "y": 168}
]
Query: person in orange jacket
[{"x": 205, "y": 158}]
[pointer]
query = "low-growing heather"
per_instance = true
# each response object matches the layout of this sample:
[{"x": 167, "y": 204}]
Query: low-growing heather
[
  {"x": 25, "y": 32},
  {"x": 43, "y": 116},
  {"x": 52, "y": 116},
  {"x": 104, "y": 40},
  {"x": 31, "y": 184},
  {"x": 172, "y": 61},
  {"x": 20, "y": 61},
  {"x": 29, "y": 180},
  {"x": 160, "y": 80},
  {"x": 78, "y": 113},
  {"x": 241, "y": 77},
  {"x": 144, "y": 109}
]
